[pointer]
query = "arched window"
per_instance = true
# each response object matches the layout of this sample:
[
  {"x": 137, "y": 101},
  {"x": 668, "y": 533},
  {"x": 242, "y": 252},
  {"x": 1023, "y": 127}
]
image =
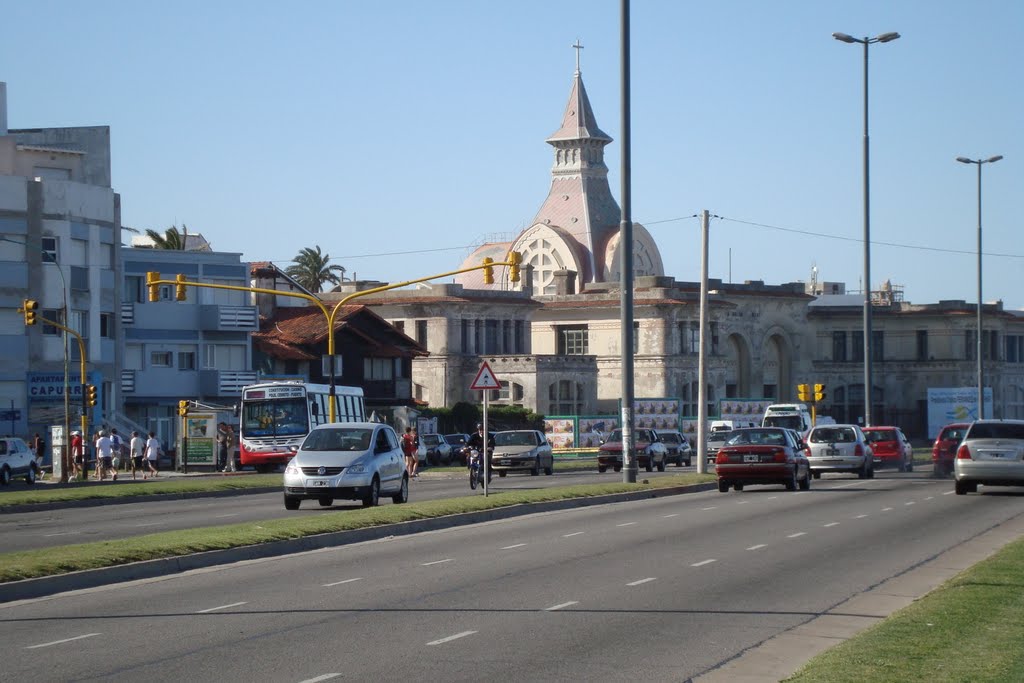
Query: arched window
[{"x": 566, "y": 398}]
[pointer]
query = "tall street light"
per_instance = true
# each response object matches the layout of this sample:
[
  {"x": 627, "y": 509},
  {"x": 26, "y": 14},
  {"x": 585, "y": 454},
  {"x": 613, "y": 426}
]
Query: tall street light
[
  {"x": 981, "y": 382},
  {"x": 883, "y": 38}
]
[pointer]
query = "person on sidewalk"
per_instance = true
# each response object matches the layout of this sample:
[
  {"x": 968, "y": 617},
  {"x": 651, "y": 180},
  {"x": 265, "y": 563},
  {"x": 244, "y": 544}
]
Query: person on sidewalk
[
  {"x": 229, "y": 448},
  {"x": 409, "y": 449},
  {"x": 77, "y": 453},
  {"x": 138, "y": 452},
  {"x": 117, "y": 450},
  {"x": 152, "y": 453},
  {"x": 104, "y": 457},
  {"x": 222, "y": 449}
]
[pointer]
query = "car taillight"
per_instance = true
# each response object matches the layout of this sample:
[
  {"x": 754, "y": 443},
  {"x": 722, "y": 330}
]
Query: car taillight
[
  {"x": 807, "y": 451},
  {"x": 858, "y": 450},
  {"x": 963, "y": 453},
  {"x": 935, "y": 451},
  {"x": 779, "y": 455},
  {"x": 721, "y": 458}
]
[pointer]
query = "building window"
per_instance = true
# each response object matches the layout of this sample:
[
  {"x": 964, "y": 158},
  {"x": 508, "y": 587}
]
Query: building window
[
  {"x": 922, "y": 344},
  {"x": 877, "y": 345},
  {"x": 988, "y": 344},
  {"x": 56, "y": 315},
  {"x": 769, "y": 391},
  {"x": 693, "y": 339},
  {"x": 49, "y": 249},
  {"x": 573, "y": 341},
  {"x": 839, "y": 347},
  {"x": 510, "y": 392},
  {"x": 421, "y": 333},
  {"x": 858, "y": 347},
  {"x": 1014, "y": 348},
  {"x": 969, "y": 344},
  {"x": 636, "y": 337},
  {"x": 399, "y": 325},
  {"x": 464, "y": 335},
  {"x": 378, "y": 368},
  {"x": 161, "y": 359},
  {"x": 714, "y": 338},
  {"x": 520, "y": 337},
  {"x": 566, "y": 398},
  {"x": 491, "y": 337},
  {"x": 186, "y": 360},
  {"x": 107, "y": 326},
  {"x": 133, "y": 289}
]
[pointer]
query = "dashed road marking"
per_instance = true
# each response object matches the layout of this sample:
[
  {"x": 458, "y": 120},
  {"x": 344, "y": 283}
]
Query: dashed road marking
[
  {"x": 427, "y": 564},
  {"x": 561, "y": 606},
  {"x": 860, "y": 516},
  {"x": 626, "y": 524},
  {"x": 830, "y": 524},
  {"x": 325, "y": 677},
  {"x": 674, "y": 514},
  {"x": 62, "y": 533},
  {"x": 510, "y": 547},
  {"x": 948, "y": 493},
  {"x": 214, "y": 609},
  {"x": 797, "y": 534},
  {"x": 713, "y": 507},
  {"x": 742, "y": 502},
  {"x": 701, "y": 563},
  {"x": 637, "y": 583},
  {"x": 886, "y": 509},
  {"x": 758, "y": 546},
  {"x": 59, "y": 642},
  {"x": 233, "y": 514},
  {"x": 910, "y": 503},
  {"x": 147, "y": 524},
  {"x": 441, "y": 641},
  {"x": 575, "y": 533},
  {"x": 338, "y": 583},
  {"x": 929, "y": 497}
]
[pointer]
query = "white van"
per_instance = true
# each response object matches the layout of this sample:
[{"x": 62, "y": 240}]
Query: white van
[{"x": 789, "y": 415}]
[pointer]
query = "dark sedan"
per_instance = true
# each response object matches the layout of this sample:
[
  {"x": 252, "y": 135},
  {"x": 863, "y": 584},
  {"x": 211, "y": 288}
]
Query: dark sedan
[{"x": 762, "y": 455}]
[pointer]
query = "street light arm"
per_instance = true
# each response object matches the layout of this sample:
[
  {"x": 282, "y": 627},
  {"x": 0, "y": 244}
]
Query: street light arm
[{"x": 845, "y": 38}]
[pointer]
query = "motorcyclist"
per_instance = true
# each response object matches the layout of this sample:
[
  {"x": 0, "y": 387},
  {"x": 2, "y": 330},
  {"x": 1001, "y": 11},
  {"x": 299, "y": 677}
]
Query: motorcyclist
[{"x": 476, "y": 440}]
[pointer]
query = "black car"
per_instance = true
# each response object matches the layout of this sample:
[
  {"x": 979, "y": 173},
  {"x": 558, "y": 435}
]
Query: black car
[{"x": 460, "y": 452}]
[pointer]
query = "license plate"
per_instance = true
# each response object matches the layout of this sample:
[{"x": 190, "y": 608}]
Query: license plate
[
  {"x": 751, "y": 458},
  {"x": 831, "y": 451},
  {"x": 506, "y": 462},
  {"x": 319, "y": 482}
]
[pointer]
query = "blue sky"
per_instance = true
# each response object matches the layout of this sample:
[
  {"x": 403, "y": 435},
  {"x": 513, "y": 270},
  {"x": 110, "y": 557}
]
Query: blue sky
[{"x": 397, "y": 134}]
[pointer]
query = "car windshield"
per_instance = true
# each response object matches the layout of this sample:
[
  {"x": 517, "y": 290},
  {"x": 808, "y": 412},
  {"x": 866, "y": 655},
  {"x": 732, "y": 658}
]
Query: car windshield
[
  {"x": 670, "y": 438},
  {"x": 876, "y": 435},
  {"x": 757, "y": 437},
  {"x": 616, "y": 435},
  {"x": 995, "y": 430},
  {"x": 952, "y": 434},
  {"x": 338, "y": 439},
  {"x": 458, "y": 439},
  {"x": 833, "y": 435},
  {"x": 430, "y": 439},
  {"x": 515, "y": 439},
  {"x": 786, "y": 421},
  {"x": 719, "y": 436}
]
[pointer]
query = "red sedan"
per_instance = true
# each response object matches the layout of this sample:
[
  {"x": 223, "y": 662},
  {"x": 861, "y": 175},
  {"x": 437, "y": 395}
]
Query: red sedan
[
  {"x": 891, "y": 448},
  {"x": 945, "y": 446},
  {"x": 762, "y": 455}
]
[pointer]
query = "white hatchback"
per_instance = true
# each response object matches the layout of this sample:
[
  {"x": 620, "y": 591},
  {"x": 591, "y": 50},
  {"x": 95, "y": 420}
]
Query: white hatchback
[
  {"x": 349, "y": 460},
  {"x": 839, "y": 448},
  {"x": 16, "y": 460}
]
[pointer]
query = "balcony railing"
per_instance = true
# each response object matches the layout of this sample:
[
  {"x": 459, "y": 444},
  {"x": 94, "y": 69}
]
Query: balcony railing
[
  {"x": 228, "y": 318},
  {"x": 127, "y": 313},
  {"x": 224, "y": 382},
  {"x": 127, "y": 381}
]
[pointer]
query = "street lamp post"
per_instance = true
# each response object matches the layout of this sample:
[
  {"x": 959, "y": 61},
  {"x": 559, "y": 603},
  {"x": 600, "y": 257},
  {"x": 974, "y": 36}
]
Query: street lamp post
[
  {"x": 981, "y": 382},
  {"x": 883, "y": 38}
]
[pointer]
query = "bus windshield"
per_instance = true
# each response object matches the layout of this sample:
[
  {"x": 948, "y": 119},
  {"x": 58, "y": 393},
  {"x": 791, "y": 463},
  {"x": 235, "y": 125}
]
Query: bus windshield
[
  {"x": 786, "y": 421},
  {"x": 275, "y": 417}
]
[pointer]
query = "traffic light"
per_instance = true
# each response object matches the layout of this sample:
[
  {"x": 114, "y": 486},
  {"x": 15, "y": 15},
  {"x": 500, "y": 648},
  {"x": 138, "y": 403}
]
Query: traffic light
[
  {"x": 488, "y": 271},
  {"x": 803, "y": 392},
  {"x": 515, "y": 258},
  {"x": 183, "y": 408},
  {"x": 90, "y": 395},
  {"x": 154, "y": 289},
  {"x": 819, "y": 392},
  {"x": 179, "y": 289},
  {"x": 29, "y": 307}
]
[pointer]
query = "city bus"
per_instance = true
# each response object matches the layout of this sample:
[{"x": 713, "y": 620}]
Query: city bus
[{"x": 276, "y": 416}]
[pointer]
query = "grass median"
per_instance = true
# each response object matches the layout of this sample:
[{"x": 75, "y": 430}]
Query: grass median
[
  {"x": 969, "y": 629},
  {"x": 98, "y": 490},
  {"x": 63, "y": 559}
]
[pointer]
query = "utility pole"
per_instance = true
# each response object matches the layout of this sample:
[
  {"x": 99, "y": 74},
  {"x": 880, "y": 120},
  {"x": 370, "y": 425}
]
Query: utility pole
[{"x": 702, "y": 367}]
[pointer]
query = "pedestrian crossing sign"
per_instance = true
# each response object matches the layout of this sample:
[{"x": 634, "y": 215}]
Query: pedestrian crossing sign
[{"x": 485, "y": 379}]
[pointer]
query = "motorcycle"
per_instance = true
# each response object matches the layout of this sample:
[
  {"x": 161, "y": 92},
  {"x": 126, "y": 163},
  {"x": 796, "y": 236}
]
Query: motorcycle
[{"x": 476, "y": 469}]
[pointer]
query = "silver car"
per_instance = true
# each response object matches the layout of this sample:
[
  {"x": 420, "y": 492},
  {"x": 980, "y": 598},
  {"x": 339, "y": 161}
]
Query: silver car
[
  {"x": 992, "y": 453},
  {"x": 351, "y": 461},
  {"x": 521, "y": 449},
  {"x": 839, "y": 448}
]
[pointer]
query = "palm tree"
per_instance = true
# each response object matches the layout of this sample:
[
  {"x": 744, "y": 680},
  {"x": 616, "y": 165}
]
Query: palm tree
[
  {"x": 171, "y": 239},
  {"x": 312, "y": 269}
]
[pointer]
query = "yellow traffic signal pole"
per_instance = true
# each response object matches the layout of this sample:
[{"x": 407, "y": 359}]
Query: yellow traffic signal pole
[
  {"x": 85, "y": 415},
  {"x": 513, "y": 262}
]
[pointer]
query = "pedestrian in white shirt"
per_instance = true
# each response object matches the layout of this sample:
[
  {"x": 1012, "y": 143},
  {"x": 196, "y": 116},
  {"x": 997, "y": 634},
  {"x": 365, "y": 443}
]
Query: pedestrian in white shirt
[
  {"x": 105, "y": 457},
  {"x": 152, "y": 453},
  {"x": 138, "y": 452}
]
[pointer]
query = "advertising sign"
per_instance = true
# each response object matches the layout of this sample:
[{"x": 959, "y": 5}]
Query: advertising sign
[
  {"x": 202, "y": 438},
  {"x": 560, "y": 431},
  {"x": 947, "y": 405},
  {"x": 743, "y": 412},
  {"x": 593, "y": 430},
  {"x": 656, "y": 413}
]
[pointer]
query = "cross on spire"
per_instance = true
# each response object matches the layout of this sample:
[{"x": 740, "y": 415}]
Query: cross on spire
[{"x": 577, "y": 46}]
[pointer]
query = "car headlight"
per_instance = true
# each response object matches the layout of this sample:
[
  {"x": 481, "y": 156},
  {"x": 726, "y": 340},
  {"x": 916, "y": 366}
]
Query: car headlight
[
  {"x": 357, "y": 468},
  {"x": 292, "y": 468}
]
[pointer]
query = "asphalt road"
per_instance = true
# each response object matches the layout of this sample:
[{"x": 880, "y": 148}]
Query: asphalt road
[
  {"x": 50, "y": 528},
  {"x": 654, "y": 590}
]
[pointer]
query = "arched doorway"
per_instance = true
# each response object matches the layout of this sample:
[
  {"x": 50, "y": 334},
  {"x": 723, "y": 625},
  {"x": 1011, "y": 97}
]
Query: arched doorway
[
  {"x": 777, "y": 357},
  {"x": 737, "y": 377}
]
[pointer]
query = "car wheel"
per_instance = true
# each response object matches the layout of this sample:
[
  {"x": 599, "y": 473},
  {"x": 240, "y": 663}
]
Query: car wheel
[
  {"x": 661, "y": 466},
  {"x": 618, "y": 468},
  {"x": 535, "y": 470},
  {"x": 446, "y": 460},
  {"x": 902, "y": 467},
  {"x": 723, "y": 486},
  {"x": 325, "y": 501},
  {"x": 30, "y": 477},
  {"x": 738, "y": 487},
  {"x": 962, "y": 488},
  {"x": 805, "y": 483},
  {"x": 550, "y": 469},
  {"x": 372, "y": 497},
  {"x": 262, "y": 469},
  {"x": 5, "y": 477},
  {"x": 688, "y": 462},
  {"x": 871, "y": 473},
  {"x": 816, "y": 475},
  {"x": 650, "y": 464},
  {"x": 791, "y": 482},
  {"x": 910, "y": 465},
  {"x": 602, "y": 469},
  {"x": 403, "y": 493},
  {"x": 432, "y": 459},
  {"x": 292, "y": 503},
  {"x": 501, "y": 473}
]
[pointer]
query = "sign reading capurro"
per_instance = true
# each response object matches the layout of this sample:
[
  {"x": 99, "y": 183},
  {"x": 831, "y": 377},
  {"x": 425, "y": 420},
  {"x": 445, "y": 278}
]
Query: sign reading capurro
[{"x": 49, "y": 386}]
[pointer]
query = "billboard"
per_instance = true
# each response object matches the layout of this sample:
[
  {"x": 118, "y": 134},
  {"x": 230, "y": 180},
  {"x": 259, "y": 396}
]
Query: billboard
[{"x": 947, "y": 405}]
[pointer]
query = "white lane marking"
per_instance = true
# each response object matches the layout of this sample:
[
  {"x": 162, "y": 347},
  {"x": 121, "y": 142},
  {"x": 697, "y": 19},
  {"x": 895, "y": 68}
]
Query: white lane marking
[
  {"x": 830, "y": 524},
  {"x": 325, "y": 677},
  {"x": 929, "y": 497},
  {"x": 575, "y": 533},
  {"x": 147, "y": 524},
  {"x": 338, "y": 583},
  {"x": 743, "y": 502},
  {"x": 860, "y": 516},
  {"x": 674, "y": 514},
  {"x": 713, "y": 507},
  {"x": 517, "y": 545},
  {"x": 626, "y": 524},
  {"x": 771, "y": 497},
  {"x": 948, "y": 493},
  {"x": 701, "y": 563},
  {"x": 886, "y": 509},
  {"x": 451, "y": 638},
  {"x": 59, "y": 642},
  {"x": 214, "y": 609},
  {"x": 637, "y": 583},
  {"x": 564, "y": 604},
  {"x": 797, "y": 534},
  {"x": 757, "y": 547},
  {"x": 427, "y": 564},
  {"x": 233, "y": 514},
  {"x": 63, "y": 533},
  {"x": 844, "y": 486},
  {"x": 910, "y": 503}
]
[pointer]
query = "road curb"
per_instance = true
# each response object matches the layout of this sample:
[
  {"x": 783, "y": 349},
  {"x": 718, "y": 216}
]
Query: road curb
[
  {"x": 92, "y": 578},
  {"x": 142, "y": 498}
]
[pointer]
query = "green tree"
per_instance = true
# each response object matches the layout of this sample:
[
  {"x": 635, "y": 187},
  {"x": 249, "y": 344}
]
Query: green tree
[
  {"x": 312, "y": 269},
  {"x": 171, "y": 239}
]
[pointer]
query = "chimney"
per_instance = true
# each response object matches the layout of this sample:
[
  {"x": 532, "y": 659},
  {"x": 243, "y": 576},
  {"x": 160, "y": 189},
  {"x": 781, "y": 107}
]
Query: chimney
[
  {"x": 565, "y": 281},
  {"x": 3, "y": 108}
]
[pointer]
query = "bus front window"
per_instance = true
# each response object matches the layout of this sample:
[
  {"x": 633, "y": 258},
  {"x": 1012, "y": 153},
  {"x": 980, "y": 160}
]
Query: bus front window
[{"x": 285, "y": 417}]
